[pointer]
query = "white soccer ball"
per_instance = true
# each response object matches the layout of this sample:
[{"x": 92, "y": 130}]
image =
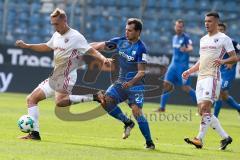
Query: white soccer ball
[{"x": 26, "y": 123}]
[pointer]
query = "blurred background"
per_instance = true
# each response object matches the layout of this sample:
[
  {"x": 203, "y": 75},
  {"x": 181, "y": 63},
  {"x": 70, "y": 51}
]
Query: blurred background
[{"x": 102, "y": 19}]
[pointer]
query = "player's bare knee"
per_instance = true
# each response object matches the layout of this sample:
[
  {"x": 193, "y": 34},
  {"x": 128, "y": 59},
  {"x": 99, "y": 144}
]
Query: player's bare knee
[
  {"x": 167, "y": 86},
  {"x": 109, "y": 101},
  {"x": 136, "y": 111},
  {"x": 186, "y": 88},
  {"x": 224, "y": 96},
  {"x": 62, "y": 101},
  {"x": 31, "y": 100},
  {"x": 205, "y": 108}
]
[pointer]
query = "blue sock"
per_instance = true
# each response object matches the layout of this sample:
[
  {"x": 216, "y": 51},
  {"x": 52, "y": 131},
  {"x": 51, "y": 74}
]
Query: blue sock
[
  {"x": 217, "y": 107},
  {"x": 117, "y": 113},
  {"x": 193, "y": 95},
  {"x": 144, "y": 127},
  {"x": 164, "y": 99},
  {"x": 233, "y": 103}
]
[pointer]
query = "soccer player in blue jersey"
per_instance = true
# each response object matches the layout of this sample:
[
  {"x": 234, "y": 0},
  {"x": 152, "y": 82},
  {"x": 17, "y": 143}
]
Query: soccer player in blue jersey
[
  {"x": 182, "y": 46},
  {"x": 228, "y": 72},
  {"x": 131, "y": 52}
]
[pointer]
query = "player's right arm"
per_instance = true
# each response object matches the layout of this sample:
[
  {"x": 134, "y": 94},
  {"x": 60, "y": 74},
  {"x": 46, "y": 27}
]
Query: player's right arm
[
  {"x": 191, "y": 70},
  {"x": 42, "y": 47},
  {"x": 104, "y": 46}
]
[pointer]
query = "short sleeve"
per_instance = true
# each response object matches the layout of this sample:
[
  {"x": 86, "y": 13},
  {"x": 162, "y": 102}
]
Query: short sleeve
[
  {"x": 81, "y": 44},
  {"x": 50, "y": 42},
  {"x": 228, "y": 45},
  {"x": 112, "y": 43},
  {"x": 188, "y": 40},
  {"x": 142, "y": 55}
]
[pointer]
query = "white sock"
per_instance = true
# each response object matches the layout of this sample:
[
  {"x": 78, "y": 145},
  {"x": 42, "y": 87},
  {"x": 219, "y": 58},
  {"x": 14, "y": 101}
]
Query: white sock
[
  {"x": 215, "y": 124},
  {"x": 74, "y": 99},
  {"x": 205, "y": 123},
  {"x": 34, "y": 112}
]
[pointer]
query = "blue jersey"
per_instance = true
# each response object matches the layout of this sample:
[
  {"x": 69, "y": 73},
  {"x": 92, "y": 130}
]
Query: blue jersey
[
  {"x": 179, "y": 57},
  {"x": 226, "y": 73},
  {"x": 129, "y": 55}
]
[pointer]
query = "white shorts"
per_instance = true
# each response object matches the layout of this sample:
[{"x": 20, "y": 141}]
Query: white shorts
[
  {"x": 49, "y": 87},
  {"x": 208, "y": 89}
]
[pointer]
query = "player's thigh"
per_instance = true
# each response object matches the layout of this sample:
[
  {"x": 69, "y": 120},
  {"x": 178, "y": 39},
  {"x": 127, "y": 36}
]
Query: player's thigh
[
  {"x": 136, "y": 110},
  {"x": 170, "y": 75},
  {"x": 136, "y": 96},
  {"x": 207, "y": 89},
  {"x": 204, "y": 107},
  {"x": 46, "y": 88},
  {"x": 117, "y": 93},
  {"x": 35, "y": 96}
]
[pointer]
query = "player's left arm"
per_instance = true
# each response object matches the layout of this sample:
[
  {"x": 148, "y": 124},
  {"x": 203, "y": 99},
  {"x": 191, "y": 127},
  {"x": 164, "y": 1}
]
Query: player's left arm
[{"x": 140, "y": 74}]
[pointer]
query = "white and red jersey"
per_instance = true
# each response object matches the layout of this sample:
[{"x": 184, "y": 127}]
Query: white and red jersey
[
  {"x": 211, "y": 48},
  {"x": 67, "y": 47}
]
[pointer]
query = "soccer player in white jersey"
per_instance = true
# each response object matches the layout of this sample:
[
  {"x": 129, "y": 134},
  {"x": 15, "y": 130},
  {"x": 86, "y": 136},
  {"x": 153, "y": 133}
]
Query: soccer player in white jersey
[
  {"x": 68, "y": 45},
  {"x": 212, "y": 49}
]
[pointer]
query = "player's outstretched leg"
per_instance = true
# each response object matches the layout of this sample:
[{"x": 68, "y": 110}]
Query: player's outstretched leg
[
  {"x": 143, "y": 126},
  {"x": 32, "y": 101},
  {"x": 109, "y": 105}
]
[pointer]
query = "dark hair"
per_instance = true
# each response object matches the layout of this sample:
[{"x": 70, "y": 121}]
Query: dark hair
[
  {"x": 137, "y": 23},
  {"x": 214, "y": 14},
  {"x": 224, "y": 25},
  {"x": 180, "y": 21}
]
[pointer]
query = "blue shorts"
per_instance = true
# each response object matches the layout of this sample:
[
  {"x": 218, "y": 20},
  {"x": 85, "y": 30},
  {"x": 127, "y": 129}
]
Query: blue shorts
[
  {"x": 227, "y": 79},
  {"x": 134, "y": 94},
  {"x": 174, "y": 76},
  {"x": 226, "y": 84}
]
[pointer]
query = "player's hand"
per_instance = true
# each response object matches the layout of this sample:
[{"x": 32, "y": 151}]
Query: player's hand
[
  {"x": 183, "y": 49},
  {"x": 21, "y": 44},
  {"x": 126, "y": 84},
  {"x": 218, "y": 62},
  {"x": 108, "y": 61},
  {"x": 185, "y": 74}
]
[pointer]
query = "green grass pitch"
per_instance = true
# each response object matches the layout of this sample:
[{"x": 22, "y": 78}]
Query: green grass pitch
[{"x": 100, "y": 138}]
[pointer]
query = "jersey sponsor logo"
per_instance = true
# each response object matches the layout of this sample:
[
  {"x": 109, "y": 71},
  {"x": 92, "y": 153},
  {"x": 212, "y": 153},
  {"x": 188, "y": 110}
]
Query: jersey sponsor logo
[{"x": 124, "y": 55}]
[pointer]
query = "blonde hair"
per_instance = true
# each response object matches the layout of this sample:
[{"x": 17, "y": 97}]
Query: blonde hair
[{"x": 58, "y": 13}]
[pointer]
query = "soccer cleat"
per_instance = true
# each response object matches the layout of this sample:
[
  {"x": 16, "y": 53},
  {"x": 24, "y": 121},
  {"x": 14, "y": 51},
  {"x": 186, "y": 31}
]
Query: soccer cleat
[
  {"x": 196, "y": 142},
  {"x": 127, "y": 129},
  {"x": 160, "y": 110},
  {"x": 150, "y": 145},
  {"x": 99, "y": 97},
  {"x": 225, "y": 142},
  {"x": 34, "y": 135}
]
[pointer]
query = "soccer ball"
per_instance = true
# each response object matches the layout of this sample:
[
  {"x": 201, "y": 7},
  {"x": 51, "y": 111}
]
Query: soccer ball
[{"x": 26, "y": 123}]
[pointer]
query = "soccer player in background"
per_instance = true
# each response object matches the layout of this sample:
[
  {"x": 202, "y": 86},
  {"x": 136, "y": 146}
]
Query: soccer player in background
[
  {"x": 68, "y": 45},
  {"x": 213, "y": 46},
  {"x": 228, "y": 72},
  {"x": 129, "y": 86},
  {"x": 182, "y": 46}
]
